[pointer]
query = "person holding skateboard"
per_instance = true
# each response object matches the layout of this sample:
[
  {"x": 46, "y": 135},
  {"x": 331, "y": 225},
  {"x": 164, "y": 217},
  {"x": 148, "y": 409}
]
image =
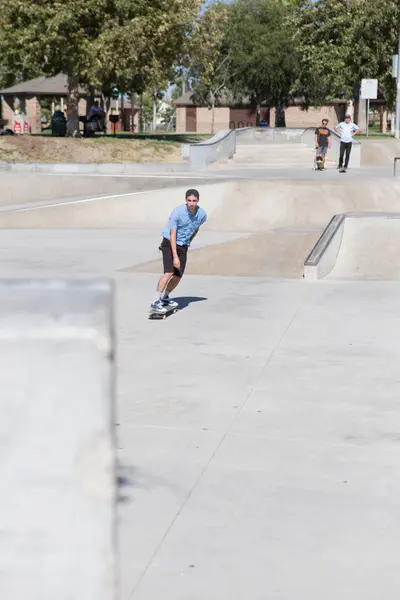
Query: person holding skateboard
[
  {"x": 347, "y": 130},
  {"x": 322, "y": 140},
  {"x": 182, "y": 227}
]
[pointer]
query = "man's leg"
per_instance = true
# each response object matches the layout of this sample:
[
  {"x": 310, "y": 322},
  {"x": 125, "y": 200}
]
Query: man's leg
[
  {"x": 342, "y": 149},
  {"x": 177, "y": 275},
  {"x": 347, "y": 157},
  {"x": 163, "y": 282},
  {"x": 172, "y": 284},
  {"x": 168, "y": 264}
]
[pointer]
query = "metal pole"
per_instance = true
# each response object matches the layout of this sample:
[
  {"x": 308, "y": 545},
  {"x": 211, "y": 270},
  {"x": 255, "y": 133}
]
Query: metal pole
[
  {"x": 367, "y": 116},
  {"x": 397, "y": 132}
]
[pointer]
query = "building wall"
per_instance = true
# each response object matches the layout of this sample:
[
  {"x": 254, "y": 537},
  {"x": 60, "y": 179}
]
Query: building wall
[
  {"x": 246, "y": 117},
  {"x": 191, "y": 118},
  {"x": 224, "y": 117},
  {"x": 180, "y": 119},
  {"x": 204, "y": 119},
  {"x": 7, "y": 110},
  {"x": 32, "y": 108},
  {"x": 295, "y": 117}
]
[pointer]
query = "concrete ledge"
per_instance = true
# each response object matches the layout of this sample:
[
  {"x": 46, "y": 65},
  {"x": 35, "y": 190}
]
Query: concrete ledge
[
  {"x": 57, "y": 473},
  {"x": 90, "y": 168},
  {"x": 323, "y": 256},
  {"x": 221, "y": 147}
]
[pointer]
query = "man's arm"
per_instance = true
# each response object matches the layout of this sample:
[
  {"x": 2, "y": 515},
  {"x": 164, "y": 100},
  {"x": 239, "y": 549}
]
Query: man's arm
[
  {"x": 336, "y": 129},
  {"x": 316, "y": 141},
  {"x": 172, "y": 235},
  {"x": 357, "y": 130},
  {"x": 329, "y": 139}
]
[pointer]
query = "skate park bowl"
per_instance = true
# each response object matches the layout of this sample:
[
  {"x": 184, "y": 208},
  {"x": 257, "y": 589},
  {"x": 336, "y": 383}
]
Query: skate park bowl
[
  {"x": 363, "y": 246},
  {"x": 257, "y": 429},
  {"x": 255, "y": 227}
]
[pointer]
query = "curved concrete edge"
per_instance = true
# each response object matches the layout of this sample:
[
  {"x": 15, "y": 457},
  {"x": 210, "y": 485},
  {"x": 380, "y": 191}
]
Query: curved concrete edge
[
  {"x": 220, "y": 148},
  {"x": 322, "y": 257},
  {"x": 57, "y": 430},
  {"x": 93, "y": 168}
]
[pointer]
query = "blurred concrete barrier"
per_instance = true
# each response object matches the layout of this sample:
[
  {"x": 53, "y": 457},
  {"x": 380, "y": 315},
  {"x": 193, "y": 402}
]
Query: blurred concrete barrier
[
  {"x": 220, "y": 148},
  {"x": 57, "y": 472}
]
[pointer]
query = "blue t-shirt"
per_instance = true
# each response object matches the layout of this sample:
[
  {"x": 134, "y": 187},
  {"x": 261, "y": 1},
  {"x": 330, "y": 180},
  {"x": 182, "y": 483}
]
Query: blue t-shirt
[{"x": 185, "y": 223}]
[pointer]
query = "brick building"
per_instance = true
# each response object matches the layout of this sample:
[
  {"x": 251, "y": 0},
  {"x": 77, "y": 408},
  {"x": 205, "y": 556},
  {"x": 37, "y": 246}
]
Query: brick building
[{"x": 196, "y": 118}]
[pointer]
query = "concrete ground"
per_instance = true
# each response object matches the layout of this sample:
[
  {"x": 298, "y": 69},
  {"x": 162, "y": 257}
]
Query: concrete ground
[{"x": 258, "y": 427}]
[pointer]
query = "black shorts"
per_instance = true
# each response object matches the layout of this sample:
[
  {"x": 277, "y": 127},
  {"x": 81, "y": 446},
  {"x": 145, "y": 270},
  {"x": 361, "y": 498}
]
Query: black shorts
[{"x": 168, "y": 259}]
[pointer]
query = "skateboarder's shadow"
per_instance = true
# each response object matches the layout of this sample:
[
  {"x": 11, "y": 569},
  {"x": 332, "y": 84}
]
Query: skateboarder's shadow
[{"x": 184, "y": 301}]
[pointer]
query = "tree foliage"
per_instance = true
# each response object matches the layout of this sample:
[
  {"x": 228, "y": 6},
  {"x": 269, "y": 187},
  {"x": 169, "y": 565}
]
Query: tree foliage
[
  {"x": 340, "y": 42},
  {"x": 97, "y": 43},
  {"x": 210, "y": 56},
  {"x": 263, "y": 52},
  {"x": 245, "y": 47},
  {"x": 144, "y": 42}
]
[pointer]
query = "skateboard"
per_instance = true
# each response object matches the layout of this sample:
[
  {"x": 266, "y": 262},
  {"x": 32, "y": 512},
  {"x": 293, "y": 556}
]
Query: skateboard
[
  {"x": 319, "y": 163},
  {"x": 157, "y": 315}
]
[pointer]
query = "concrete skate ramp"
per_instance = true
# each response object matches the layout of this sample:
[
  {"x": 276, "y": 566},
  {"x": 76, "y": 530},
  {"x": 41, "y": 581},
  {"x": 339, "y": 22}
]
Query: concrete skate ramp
[
  {"x": 370, "y": 249},
  {"x": 245, "y": 206},
  {"x": 272, "y": 225}
]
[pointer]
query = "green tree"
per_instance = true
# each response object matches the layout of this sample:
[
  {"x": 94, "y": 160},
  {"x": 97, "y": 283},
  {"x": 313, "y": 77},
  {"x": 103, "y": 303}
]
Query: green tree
[
  {"x": 263, "y": 56},
  {"x": 142, "y": 45},
  {"x": 210, "y": 56},
  {"x": 52, "y": 36},
  {"x": 340, "y": 42},
  {"x": 97, "y": 43}
]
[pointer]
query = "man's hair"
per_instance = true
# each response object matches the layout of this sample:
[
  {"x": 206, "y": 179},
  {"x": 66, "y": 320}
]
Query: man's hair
[
  {"x": 192, "y": 192},
  {"x": 325, "y": 121}
]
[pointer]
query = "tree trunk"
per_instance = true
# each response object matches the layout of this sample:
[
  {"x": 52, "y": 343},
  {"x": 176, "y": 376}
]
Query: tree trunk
[
  {"x": 73, "y": 111},
  {"x": 352, "y": 109},
  {"x": 154, "y": 110},
  {"x": 212, "y": 112},
  {"x": 106, "y": 106},
  {"x": 258, "y": 114},
  {"x": 122, "y": 120},
  {"x": 141, "y": 121},
  {"x": 133, "y": 111},
  {"x": 280, "y": 119}
]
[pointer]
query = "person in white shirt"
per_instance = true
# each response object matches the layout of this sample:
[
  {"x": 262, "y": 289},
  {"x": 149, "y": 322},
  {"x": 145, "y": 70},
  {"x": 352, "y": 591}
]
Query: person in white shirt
[{"x": 347, "y": 130}]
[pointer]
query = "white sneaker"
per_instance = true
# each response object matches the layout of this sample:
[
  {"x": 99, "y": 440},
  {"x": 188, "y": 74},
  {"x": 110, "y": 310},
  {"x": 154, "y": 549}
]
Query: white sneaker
[
  {"x": 167, "y": 302},
  {"x": 158, "y": 307}
]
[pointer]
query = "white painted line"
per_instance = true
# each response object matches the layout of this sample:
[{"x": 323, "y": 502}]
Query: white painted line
[
  {"x": 133, "y": 176},
  {"x": 80, "y": 201}
]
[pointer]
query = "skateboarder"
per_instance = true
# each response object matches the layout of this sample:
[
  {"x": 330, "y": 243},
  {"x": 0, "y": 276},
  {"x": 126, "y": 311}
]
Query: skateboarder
[
  {"x": 347, "y": 130},
  {"x": 322, "y": 140},
  {"x": 183, "y": 225}
]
